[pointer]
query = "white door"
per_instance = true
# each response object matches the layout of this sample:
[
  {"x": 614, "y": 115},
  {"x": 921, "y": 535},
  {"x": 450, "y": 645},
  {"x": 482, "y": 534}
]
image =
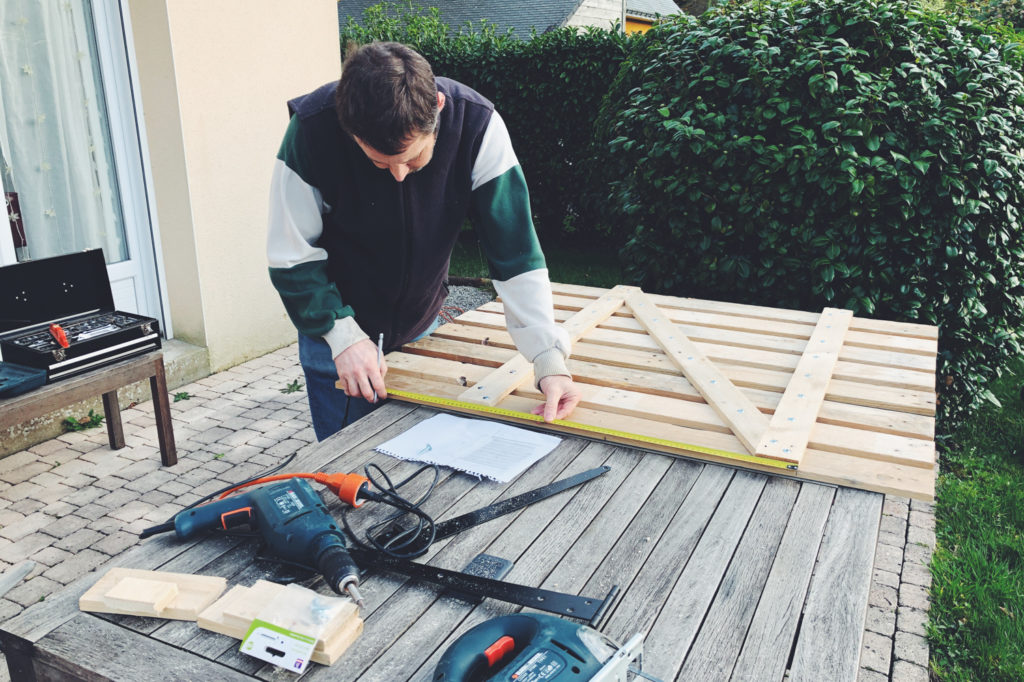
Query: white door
[{"x": 70, "y": 153}]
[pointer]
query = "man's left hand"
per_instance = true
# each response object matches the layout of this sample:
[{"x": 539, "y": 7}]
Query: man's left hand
[{"x": 562, "y": 397}]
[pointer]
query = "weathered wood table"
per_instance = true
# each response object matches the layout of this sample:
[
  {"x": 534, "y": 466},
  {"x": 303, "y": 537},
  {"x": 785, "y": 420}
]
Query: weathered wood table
[{"x": 730, "y": 574}]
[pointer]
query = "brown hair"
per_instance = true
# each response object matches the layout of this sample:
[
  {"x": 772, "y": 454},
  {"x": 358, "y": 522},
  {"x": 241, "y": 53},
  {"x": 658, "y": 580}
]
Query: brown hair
[{"x": 386, "y": 95}]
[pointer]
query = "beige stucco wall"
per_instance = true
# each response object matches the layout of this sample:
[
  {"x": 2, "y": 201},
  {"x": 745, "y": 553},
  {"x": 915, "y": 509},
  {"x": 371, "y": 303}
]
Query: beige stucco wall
[{"x": 214, "y": 78}]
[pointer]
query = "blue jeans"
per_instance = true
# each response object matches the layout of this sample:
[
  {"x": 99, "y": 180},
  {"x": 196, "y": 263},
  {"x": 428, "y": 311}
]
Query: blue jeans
[{"x": 330, "y": 408}]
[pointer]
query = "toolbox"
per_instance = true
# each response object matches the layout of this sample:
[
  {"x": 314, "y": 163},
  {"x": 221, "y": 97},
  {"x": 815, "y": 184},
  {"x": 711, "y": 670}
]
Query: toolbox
[{"x": 57, "y": 314}]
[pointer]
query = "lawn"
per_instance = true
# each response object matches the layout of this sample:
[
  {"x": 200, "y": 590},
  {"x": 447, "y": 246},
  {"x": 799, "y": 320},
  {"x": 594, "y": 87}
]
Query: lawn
[{"x": 977, "y": 613}]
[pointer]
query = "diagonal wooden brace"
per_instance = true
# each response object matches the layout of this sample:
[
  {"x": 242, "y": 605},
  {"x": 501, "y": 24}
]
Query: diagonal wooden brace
[
  {"x": 518, "y": 371},
  {"x": 735, "y": 409},
  {"x": 789, "y": 431}
]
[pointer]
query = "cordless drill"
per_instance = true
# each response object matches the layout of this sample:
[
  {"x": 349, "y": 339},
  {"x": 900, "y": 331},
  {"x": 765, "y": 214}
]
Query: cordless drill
[{"x": 294, "y": 523}]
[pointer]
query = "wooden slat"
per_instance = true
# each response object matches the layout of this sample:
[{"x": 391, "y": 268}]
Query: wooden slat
[
  {"x": 838, "y": 599},
  {"x": 515, "y": 372},
  {"x": 790, "y": 427},
  {"x": 743, "y": 418}
]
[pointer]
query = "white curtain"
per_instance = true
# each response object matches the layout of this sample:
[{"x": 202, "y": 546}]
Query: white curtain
[{"x": 54, "y": 139}]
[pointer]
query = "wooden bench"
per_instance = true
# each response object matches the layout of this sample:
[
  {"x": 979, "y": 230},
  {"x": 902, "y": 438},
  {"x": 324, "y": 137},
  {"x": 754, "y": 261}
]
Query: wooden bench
[{"x": 104, "y": 381}]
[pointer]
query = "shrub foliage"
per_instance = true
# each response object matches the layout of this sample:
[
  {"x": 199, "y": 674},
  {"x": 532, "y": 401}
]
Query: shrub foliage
[
  {"x": 854, "y": 153},
  {"x": 547, "y": 89}
]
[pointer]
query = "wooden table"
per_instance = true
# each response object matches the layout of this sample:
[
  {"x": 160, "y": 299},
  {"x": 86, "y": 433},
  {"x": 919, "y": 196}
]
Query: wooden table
[
  {"x": 729, "y": 573},
  {"x": 103, "y": 381}
]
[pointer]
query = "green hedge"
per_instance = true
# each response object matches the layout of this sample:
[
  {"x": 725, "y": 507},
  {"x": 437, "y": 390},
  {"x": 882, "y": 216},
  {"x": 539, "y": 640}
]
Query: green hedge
[
  {"x": 548, "y": 90},
  {"x": 858, "y": 154}
]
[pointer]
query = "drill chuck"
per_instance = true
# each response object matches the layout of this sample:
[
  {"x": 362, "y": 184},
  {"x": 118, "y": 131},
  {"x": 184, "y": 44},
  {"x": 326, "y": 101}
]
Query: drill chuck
[{"x": 340, "y": 572}]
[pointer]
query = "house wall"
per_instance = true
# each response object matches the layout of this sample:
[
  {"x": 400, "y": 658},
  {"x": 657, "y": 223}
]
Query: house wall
[
  {"x": 600, "y": 13},
  {"x": 214, "y": 78}
]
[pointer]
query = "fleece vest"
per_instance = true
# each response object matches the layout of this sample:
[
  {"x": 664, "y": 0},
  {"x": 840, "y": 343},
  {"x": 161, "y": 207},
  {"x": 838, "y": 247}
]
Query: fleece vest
[{"x": 388, "y": 243}]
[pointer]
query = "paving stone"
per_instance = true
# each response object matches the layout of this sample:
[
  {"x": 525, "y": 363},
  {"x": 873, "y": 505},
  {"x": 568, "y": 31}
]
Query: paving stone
[
  {"x": 21, "y": 490},
  {"x": 140, "y": 453},
  {"x": 26, "y": 472},
  {"x": 78, "y": 540},
  {"x": 109, "y": 464},
  {"x": 882, "y": 596},
  {"x": 918, "y": 554},
  {"x": 157, "y": 497},
  {"x": 50, "y": 556},
  {"x": 8, "y": 610},
  {"x": 117, "y": 498},
  {"x": 137, "y": 470},
  {"x": 117, "y": 542},
  {"x": 211, "y": 435},
  {"x": 25, "y": 548},
  {"x": 914, "y": 596},
  {"x": 75, "y": 567},
  {"x": 16, "y": 461},
  {"x": 917, "y": 574},
  {"x": 92, "y": 511},
  {"x": 218, "y": 466},
  {"x": 894, "y": 539},
  {"x": 887, "y": 578},
  {"x": 921, "y": 505},
  {"x": 29, "y": 524},
  {"x": 59, "y": 509},
  {"x": 913, "y": 621},
  {"x": 151, "y": 481},
  {"x": 893, "y": 524},
  {"x": 889, "y": 558},
  {"x": 47, "y": 447},
  {"x": 75, "y": 466},
  {"x": 865, "y": 675},
  {"x": 921, "y": 519},
  {"x": 176, "y": 488},
  {"x": 285, "y": 448},
  {"x": 905, "y": 671},
  {"x": 132, "y": 511},
  {"x": 882, "y": 621},
  {"x": 921, "y": 536},
  {"x": 65, "y": 526},
  {"x": 106, "y": 525},
  {"x": 84, "y": 496},
  {"x": 86, "y": 446},
  {"x": 9, "y": 517},
  {"x": 52, "y": 493},
  {"x": 33, "y": 591},
  {"x": 876, "y": 652},
  {"x": 912, "y": 648}
]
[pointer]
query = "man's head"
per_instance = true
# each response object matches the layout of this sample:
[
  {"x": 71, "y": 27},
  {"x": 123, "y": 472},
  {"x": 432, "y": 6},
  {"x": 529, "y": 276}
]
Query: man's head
[{"x": 388, "y": 101}]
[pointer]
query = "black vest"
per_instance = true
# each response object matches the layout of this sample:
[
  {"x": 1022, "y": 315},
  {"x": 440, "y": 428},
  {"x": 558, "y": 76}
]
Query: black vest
[{"x": 387, "y": 242}]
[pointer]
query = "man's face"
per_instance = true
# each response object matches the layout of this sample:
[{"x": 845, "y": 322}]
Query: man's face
[{"x": 414, "y": 157}]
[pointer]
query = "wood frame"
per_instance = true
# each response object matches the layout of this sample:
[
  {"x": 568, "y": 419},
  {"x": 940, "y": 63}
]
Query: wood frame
[{"x": 823, "y": 396}]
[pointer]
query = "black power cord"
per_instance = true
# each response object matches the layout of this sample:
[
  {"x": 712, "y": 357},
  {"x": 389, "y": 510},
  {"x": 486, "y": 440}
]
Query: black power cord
[{"x": 391, "y": 536}]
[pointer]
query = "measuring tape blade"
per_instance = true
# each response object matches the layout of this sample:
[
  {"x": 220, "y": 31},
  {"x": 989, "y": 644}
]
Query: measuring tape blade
[{"x": 474, "y": 408}]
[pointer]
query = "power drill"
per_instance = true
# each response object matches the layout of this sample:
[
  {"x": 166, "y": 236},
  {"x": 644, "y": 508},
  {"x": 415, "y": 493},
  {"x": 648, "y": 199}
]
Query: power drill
[{"x": 294, "y": 523}]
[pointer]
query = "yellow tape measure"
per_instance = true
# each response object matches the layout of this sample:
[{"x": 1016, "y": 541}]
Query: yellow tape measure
[{"x": 502, "y": 412}]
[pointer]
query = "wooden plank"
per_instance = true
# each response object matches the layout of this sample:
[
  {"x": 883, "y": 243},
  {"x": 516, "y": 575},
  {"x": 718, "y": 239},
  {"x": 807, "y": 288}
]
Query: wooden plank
[
  {"x": 494, "y": 352},
  {"x": 89, "y": 648},
  {"x": 769, "y": 639},
  {"x": 790, "y": 427},
  {"x": 194, "y": 592},
  {"x": 829, "y": 643},
  {"x": 924, "y": 331},
  {"x": 517, "y": 371},
  {"x": 742, "y": 417},
  {"x": 720, "y": 640}
]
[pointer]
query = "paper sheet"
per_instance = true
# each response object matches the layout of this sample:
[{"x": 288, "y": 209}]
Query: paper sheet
[{"x": 483, "y": 448}]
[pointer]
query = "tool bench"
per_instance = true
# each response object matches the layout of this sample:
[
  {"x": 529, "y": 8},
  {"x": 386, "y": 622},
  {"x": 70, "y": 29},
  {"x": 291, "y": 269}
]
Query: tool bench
[
  {"x": 104, "y": 381},
  {"x": 727, "y": 572}
]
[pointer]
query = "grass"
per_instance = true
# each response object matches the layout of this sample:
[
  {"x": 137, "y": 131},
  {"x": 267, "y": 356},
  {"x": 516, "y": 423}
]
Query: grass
[
  {"x": 977, "y": 613},
  {"x": 592, "y": 267}
]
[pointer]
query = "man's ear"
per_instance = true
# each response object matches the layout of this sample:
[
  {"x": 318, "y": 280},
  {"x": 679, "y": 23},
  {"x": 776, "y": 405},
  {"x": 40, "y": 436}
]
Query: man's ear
[{"x": 440, "y": 100}]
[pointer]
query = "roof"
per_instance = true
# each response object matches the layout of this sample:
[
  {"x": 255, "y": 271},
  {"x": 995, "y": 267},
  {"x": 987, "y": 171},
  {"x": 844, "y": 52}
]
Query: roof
[
  {"x": 519, "y": 15},
  {"x": 652, "y": 8}
]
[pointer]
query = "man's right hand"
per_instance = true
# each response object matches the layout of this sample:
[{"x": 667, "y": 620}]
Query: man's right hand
[{"x": 358, "y": 373}]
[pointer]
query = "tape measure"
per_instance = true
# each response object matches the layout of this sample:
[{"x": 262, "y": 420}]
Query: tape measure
[{"x": 474, "y": 408}]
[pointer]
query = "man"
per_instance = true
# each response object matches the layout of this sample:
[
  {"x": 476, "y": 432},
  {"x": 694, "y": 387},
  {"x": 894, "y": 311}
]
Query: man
[{"x": 374, "y": 179}]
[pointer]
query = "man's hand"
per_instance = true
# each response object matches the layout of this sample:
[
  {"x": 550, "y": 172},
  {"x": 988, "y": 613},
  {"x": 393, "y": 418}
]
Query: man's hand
[
  {"x": 358, "y": 371},
  {"x": 562, "y": 397}
]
